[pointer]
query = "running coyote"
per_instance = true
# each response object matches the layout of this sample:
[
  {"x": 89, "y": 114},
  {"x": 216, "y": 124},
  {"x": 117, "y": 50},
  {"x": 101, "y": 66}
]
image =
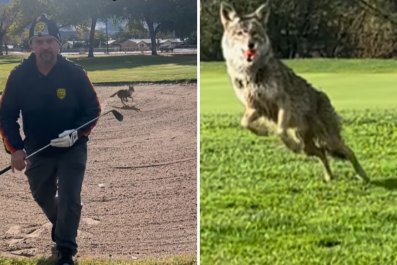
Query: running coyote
[
  {"x": 275, "y": 98},
  {"x": 124, "y": 94}
]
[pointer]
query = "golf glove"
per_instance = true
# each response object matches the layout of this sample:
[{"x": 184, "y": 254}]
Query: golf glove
[{"x": 66, "y": 139}]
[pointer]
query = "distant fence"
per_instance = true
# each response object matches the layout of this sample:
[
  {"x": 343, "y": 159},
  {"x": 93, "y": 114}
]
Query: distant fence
[{"x": 176, "y": 49}]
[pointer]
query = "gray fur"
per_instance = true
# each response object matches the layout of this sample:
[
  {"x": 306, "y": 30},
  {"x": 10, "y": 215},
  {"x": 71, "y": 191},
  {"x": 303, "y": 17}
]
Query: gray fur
[{"x": 274, "y": 97}]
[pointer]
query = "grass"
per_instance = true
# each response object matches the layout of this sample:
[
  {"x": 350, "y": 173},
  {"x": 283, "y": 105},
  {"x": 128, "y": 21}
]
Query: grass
[
  {"x": 123, "y": 69},
  {"x": 365, "y": 85},
  {"x": 319, "y": 65},
  {"x": 261, "y": 204},
  {"x": 177, "y": 260}
]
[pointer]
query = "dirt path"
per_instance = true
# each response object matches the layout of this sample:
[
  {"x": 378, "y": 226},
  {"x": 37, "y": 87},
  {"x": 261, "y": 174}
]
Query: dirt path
[{"x": 139, "y": 192}]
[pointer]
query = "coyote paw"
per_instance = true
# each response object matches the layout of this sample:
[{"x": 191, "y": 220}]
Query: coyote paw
[
  {"x": 259, "y": 131},
  {"x": 255, "y": 127},
  {"x": 281, "y": 132},
  {"x": 327, "y": 177},
  {"x": 291, "y": 144}
]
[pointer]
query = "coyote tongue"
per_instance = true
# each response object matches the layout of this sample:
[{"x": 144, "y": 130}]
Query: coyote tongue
[{"x": 249, "y": 54}]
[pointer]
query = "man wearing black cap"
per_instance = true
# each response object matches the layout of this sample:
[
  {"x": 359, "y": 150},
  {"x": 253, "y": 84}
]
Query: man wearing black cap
[{"x": 53, "y": 96}]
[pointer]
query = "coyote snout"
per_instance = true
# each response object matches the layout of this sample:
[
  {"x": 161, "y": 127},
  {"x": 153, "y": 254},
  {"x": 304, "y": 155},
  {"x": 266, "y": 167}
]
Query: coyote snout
[{"x": 274, "y": 97}]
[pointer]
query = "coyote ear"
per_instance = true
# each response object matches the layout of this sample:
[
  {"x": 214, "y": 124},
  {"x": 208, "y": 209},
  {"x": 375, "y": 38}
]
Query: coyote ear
[
  {"x": 227, "y": 13},
  {"x": 263, "y": 12}
]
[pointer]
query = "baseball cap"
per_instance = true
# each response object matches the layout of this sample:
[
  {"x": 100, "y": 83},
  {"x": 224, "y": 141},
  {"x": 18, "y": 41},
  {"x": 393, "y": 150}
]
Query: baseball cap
[{"x": 43, "y": 26}]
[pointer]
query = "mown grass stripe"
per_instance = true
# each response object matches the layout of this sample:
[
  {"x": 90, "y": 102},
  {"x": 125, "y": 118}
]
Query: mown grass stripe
[
  {"x": 123, "y": 69},
  {"x": 261, "y": 204}
]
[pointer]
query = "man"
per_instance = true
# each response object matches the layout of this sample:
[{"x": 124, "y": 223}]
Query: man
[{"x": 53, "y": 96}]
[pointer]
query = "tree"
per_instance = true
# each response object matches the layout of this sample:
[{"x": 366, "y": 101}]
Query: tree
[
  {"x": 134, "y": 29},
  {"x": 5, "y": 22},
  {"x": 153, "y": 13},
  {"x": 306, "y": 28},
  {"x": 373, "y": 28},
  {"x": 19, "y": 14},
  {"x": 183, "y": 19},
  {"x": 163, "y": 15},
  {"x": 14, "y": 18},
  {"x": 86, "y": 12}
]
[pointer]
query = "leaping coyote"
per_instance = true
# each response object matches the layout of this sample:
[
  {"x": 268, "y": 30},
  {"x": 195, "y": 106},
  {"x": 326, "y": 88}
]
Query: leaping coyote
[{"x": 275, "y": 98}]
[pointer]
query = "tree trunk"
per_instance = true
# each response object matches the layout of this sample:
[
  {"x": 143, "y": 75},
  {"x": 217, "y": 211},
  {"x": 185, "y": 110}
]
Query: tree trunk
[
  {"x": 92, "y": 37},
  {"x": 1, "y": 43},
  {"x": 152, "y": 33}
]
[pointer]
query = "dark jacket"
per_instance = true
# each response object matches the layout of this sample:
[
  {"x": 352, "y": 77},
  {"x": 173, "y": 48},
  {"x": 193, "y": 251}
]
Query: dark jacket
[{"x": 64, "y": 99}]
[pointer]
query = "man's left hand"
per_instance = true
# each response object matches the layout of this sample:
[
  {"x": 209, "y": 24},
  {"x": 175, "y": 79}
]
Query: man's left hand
[{"x": 66, "y": 139}]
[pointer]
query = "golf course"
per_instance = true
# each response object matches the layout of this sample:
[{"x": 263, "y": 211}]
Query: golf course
[
  {"x": 139, "y": 191},
  {"x": 262, "y": 204},
  {"x": 122, "y": 69}
]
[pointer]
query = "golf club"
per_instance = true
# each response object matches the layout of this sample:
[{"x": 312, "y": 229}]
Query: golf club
[{"x": 115, "y": 113}]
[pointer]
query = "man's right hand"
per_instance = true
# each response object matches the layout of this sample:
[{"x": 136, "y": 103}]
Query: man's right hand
[{"x": 18, "y": 160}]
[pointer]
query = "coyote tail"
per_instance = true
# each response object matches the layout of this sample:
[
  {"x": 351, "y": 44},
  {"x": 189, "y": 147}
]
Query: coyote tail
[{"x": 114, "y": 94}]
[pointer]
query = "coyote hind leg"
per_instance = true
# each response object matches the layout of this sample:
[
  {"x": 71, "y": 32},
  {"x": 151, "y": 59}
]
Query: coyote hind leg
[
  {"x": 341, "y": 150},
  {"x": 311, "y": 149}
]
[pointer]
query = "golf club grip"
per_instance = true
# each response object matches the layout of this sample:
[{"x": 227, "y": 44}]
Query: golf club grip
[{"x": 4, "y": 170}]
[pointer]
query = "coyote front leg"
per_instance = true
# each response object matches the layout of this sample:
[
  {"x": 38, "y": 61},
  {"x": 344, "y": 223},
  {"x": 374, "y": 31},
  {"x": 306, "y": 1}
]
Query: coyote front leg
[
  {"x": 250, "y": 120},
  {"x": 283, "y": 120}
]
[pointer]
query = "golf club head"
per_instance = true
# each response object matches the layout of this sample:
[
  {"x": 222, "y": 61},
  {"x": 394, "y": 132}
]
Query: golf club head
[{"x": 117, "y": 115}]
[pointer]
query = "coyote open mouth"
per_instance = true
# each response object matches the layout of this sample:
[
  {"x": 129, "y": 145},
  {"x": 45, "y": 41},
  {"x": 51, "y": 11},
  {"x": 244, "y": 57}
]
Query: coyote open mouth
[{"x": 250, "y": 54}]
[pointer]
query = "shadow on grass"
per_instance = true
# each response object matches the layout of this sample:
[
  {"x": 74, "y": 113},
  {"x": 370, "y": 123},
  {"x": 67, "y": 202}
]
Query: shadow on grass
[
  {"x": 329, "y": 243},
  {"x": 6, "y": 59},
  {"x": 131, "y": 61},
  {"x": 388, "y": 183},
  {"x": 119, "y": 61}
]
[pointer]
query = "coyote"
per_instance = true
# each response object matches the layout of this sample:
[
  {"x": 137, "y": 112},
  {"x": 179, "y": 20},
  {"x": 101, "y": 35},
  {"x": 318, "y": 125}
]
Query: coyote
[
  {"x": 274, "y": 97},
  {"x": 124, "y": 94}
]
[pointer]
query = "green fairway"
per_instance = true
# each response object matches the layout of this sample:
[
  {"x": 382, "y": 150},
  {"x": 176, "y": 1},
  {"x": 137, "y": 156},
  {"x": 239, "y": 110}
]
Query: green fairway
[
  {"x": 370, "y": 86},
  {"x": 262, "y": 204},
  {"x": 129, "y": 68}
]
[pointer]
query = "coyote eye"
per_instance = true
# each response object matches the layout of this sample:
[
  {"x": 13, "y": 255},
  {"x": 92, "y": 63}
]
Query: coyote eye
[
  {"x": 239, "y": 33},
  {"x": 254, "y": 33}
]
